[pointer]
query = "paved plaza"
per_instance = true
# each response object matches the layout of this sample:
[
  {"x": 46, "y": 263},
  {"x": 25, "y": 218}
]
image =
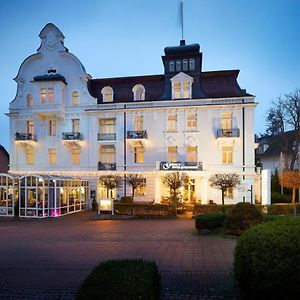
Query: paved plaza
[{"x": 48, "y": 259}]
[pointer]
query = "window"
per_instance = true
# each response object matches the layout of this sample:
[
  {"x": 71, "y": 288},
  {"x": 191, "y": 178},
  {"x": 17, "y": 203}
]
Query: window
[
  {"x": 107, "y": 154},
  {"x": 192, "y": 122},
  {"x": 75, "y": 152},
  {"x": 172, "y": 123},
  {"x": 30, "y": 127},
  {"x": 192, "y": 64},
  {"x": 226, "y": 121},
  {"x": 172, "y": 153},
  {"x": 107, "y": 94},
  {"x": 178, "y": 65},
  {"x": 171, "y": 66},
  {"x": 108, "y": 126},
  {"x": 75, "y": 98},
  {"x": 177, "y": 90},
  {"x": 185, "y": 65},
  {"x": 47, "y": 95},
  {"x": 52, "y": 156},
  {"x": 191, "y": 154},
  {"x": 182, "y": 86},
  {"x": 229, "y": 193},
  {"x": 227, "y": 155},
  {"x": 141, "y": 189},
  {"x": 29, "y": 100},
  {"x": 75, "y": 125},
  {"x": 186, "y": 90},
  {"x": 30, "y": 155},
  {"x": 52, "y": 127},
  {"x": 138, "y": 92},
  {"x": 138, "y": 123},
  {"x": 139, "y": 155}
]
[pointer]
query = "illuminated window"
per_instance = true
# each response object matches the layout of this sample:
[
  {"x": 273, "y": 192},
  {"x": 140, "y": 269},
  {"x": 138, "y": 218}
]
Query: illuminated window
[
  {"x": 47, "y": 95},
  {"x": 107, "y": 126},
  {"x": 43, "y": 95},
  {"x": 191, "y": 153},
  {"x": 229, "y": 193},
  {"x": 107, "y": 154},
  {"x": 138, "y": 92},
  {"x": 141, "y": 189},
  {"x": 172, "y": 153},
  {"x": 75, "y": 152},
  {"x": 178, "y": 65},
  {"x": 75, "y": 125},
  {"x": 172, "y": 123},
  {"x": 50, "y": 95},
  {"x": 185, "y": 65},
  {"x": 52, "y": 155},
  {"x": 139, "y": 155},
  {"x": 177, "y": 90},
  {"x": 171, "y": 66},
  {"x": 107, "y": 94},
  {"x": 227, "y": 155},
  {"x": 192, "y": 122},
  {"x": 30, "y": 127},
  {"x": 75, "y": 98},
  {"x": 192, "y": 64},
  {"x": 30, "y": 155},
  {"x": 52, "y": 127},
  {"x": 226, "y": 121},
  {"x": 181, "y": 88},
  {"x": 29, "y": 100},
  {"x": 138, "y": 123}
]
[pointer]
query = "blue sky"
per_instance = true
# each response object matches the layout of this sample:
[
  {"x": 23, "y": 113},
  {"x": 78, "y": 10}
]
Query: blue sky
[{"x": 126, "y": 37}]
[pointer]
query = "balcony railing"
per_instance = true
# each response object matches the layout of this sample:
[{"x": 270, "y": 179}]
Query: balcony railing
[
  {"x": 180, "y": 166},
  {"x": 106, "y": 166},
  {"x": 231, "y": 133},
  {"x": 106, "y": 136},
  {"x": 25, "y": 137},
  {"x": 132, "y": 134},
  {"x": 71, "y": 136}
]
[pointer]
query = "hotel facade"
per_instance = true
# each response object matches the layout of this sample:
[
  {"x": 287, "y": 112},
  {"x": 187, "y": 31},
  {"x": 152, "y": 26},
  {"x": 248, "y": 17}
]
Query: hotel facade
[{"x": 64, "y": 123}]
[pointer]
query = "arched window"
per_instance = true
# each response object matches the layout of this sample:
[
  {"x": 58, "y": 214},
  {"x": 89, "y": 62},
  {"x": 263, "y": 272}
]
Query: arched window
[
  {"x": 107, "y": 94},
  {"x": 29, "y": 100},
  {"x": 138, "y": 92},
  {"x": 75, "y": 98}
]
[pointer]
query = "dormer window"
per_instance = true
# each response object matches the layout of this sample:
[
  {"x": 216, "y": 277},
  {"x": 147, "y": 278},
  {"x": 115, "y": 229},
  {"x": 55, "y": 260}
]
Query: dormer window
[
  {"x": 185, "y": 65},
  {"x": 107, "y": 94},
  {"x": 182, "y": 86},
  {"x": 75, "y": 98},
  {"x": 47, "y": 95},
  {"x": 29, "y": 100},
  {"x": 171, "y": 66},
  {"x": 138, "y": 92},
  {"x": 178, "y": 65},
  {"x": 192, "y": 64}
]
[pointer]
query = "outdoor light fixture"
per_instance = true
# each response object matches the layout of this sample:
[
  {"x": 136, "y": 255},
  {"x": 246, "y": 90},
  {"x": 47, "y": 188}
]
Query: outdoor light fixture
[{"x": 106, "y": 205}]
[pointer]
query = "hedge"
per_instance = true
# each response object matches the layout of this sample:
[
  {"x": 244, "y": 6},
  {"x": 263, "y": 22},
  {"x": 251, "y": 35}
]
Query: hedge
[
  {"x": 144, "y": 209},
  {"x": 267, "y": 260},
  {"x": 209, "y": 221},
  {"x": 120, "y": 280},
  {"x": 200, "y": 209}
]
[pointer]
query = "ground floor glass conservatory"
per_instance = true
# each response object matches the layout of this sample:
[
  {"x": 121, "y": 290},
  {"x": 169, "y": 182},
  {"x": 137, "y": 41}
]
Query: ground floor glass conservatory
[{"x": 7, "y": 195}]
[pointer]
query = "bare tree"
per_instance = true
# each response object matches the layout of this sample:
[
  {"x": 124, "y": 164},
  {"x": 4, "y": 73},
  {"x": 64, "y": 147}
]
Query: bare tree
[
  {"x": 290, "y": 180},
  {"x": 284, "y": 115},
  {"x": 174, "y": 181},
  {"x": 110, "y": 182},
  {"x": 135, "y": 181},
  {"x": 224, "y": 182}
]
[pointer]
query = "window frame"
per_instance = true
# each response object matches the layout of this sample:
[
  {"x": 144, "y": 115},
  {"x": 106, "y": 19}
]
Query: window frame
[{"x": 107, "y": 97}]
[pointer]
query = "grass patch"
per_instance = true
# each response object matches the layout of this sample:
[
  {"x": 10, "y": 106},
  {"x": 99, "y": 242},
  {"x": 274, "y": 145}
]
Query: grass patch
[{"x": 121, "y": 279}]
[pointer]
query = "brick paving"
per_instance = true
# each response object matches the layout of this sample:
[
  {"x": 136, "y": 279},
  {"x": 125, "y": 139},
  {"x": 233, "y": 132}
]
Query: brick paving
[{"x": 48, "y": 259}]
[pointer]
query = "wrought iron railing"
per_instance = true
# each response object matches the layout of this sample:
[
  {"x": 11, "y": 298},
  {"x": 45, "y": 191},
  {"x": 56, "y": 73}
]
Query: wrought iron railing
[
  {"x": 24, "y": 137},
  {"x": 133, "y": 134},
  {"x": 106, "y": 136},
  {"x": 180, "y": 166},
  {"x": 233, "y": 132},
  {"x": 72, "y": 136},
  {"x": 107, "y": 166}
]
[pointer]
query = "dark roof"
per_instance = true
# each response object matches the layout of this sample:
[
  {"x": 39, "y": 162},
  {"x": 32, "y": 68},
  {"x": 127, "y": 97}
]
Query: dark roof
[
  {"x": 215, "y": 84},
  {"x": 51, "y": 77},
  {"x": 276, "y": 143},
  {"x": 4, "y": 151},
  {"x": 182, "y": 49}
]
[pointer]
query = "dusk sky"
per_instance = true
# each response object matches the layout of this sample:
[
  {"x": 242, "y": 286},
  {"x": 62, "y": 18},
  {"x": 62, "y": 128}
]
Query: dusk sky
[{"x": 122, "y": 38}]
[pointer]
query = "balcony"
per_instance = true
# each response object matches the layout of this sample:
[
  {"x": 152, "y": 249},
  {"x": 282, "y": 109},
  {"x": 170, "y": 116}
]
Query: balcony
[
  {"x": 106, "y": 166},
  {"x": 72, "y": 139},
  {"x": 228, "y": 133},
  {"x": 106, "y": 136},
  {"x": 180, "y": 166},
  {"x": 136, "y": 135},
  {"x": 25, "y": 138}
]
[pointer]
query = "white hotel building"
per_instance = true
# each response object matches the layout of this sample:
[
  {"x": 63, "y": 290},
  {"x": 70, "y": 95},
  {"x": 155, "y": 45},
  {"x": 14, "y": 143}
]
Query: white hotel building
[{"x": 63, "y": 122}]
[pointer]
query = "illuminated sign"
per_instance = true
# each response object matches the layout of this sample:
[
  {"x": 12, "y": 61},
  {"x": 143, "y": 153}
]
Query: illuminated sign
[
  {"x": 180, "y": 166},
  {"x": 106, "y": 205}
]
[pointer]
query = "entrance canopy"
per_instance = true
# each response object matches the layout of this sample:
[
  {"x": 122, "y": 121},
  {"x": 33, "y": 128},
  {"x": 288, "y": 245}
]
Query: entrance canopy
[{"x": 43, "y": 196}]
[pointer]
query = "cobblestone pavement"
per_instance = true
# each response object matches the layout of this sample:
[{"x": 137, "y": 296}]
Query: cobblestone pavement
[{"x": 48, "y": 259}]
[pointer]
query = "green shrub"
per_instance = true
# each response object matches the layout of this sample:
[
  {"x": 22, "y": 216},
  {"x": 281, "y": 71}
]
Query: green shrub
[
  {"x": 267, "y": 260},
  {"x": 241, "y": 217},
  {"x": 127, "y": 199},
  {"x": 209, "y": 221},
  {"x": 123, "y": 279},
  {"x": 280, "y": 198},
  {"x": 200, "y": 209}
]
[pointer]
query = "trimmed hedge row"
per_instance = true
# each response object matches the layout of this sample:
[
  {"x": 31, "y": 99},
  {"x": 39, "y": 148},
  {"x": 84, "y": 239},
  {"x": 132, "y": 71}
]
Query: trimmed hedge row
[
  {"x": 267, "y": 260},
  {"x": 144, "y": 209},
  {"x": 123, "y": 279},
  {"x": 210, "y": 221}
]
